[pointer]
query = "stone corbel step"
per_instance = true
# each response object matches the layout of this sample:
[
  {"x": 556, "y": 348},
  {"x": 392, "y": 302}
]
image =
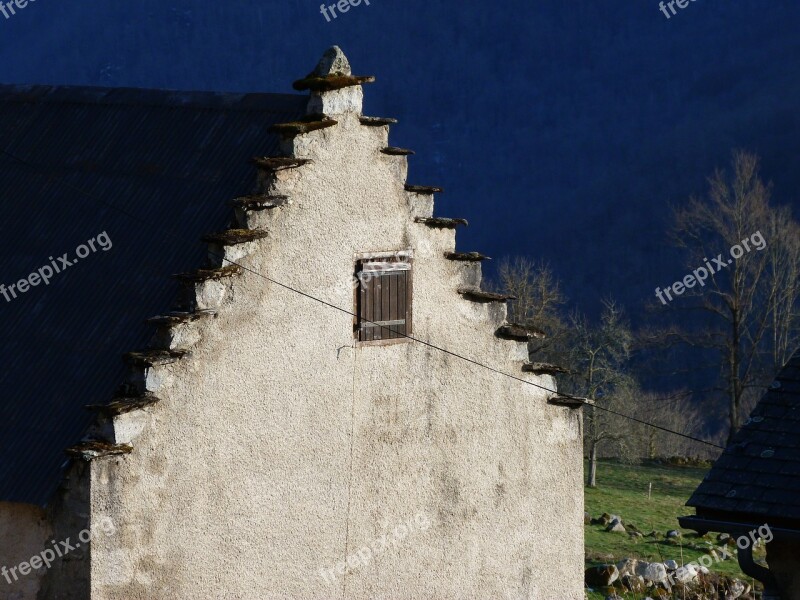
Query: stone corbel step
[
  {"x": 478, "y": 295},
  {"x": 393, "y": 151},
  {"x": 441, "y": 222},
  {"x": 569, "y": 402},
  {"x": 179, "y": 318},
  {"x": 543, "y": 369},
  {"x": 519, "y": 333},
  {"x": 303, "y": 125},
  {"x": 377, "y": 121},
  {"x": 201, "y": 275},
  {"x": 232, "y": 237},
  {"x": 466, "y": 256},
  {"x": 91, "y": 449},
  {"x": 424, "y": 189},
  {"x": 122, "y": 405},
  {"x": 278, "y": 163},
  {"x": 152, "y": 358},
  {"x": 328, "y": 83},
  {"x": 258, "y": 202}
]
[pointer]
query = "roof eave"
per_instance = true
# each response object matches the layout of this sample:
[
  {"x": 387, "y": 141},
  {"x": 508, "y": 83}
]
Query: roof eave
[{"x": 737, "y": 525}]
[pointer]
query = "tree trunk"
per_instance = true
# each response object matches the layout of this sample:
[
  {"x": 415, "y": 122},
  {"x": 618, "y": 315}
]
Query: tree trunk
[
  {"x": 592, "y": 481},
  {"x": 735, "y": 383}
]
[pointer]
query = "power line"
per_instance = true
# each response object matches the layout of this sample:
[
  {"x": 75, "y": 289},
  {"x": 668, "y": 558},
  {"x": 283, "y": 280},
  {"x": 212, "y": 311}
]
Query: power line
[{"x": 179, "y": 235}]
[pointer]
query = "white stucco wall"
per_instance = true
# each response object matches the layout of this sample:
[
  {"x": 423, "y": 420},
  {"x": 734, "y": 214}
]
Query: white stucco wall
[{"x": 280, "y": 447}]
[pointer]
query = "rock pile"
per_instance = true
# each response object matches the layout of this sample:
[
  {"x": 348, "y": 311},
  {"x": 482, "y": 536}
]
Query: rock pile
[{"x": 664, "y": 580}]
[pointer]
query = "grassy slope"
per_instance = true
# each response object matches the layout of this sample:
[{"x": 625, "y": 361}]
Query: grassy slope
[{"x": 622, "y": 490}]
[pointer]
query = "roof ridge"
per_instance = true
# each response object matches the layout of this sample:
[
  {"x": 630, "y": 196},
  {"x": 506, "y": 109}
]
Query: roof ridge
[{"x": 133, "y": 96}]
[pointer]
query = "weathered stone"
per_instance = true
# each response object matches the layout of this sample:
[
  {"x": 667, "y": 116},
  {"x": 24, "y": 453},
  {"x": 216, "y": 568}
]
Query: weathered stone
[
  {"x": 627, "y": 566},
  {"x": 601, "y": 575},
  {"x": 652, "y": 572},
  {"x": 673, "y": 534},
  {"x": 634, "y": 583},
  {"x": 615, "y": 527},
  {"x": 685, "y": 574},
  {"x": 333, "y": 62}
]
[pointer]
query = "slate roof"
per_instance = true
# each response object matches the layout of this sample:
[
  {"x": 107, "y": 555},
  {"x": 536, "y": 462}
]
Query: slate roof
[
  {"x": 172, "y": 160},
  {"x": 758, "y": 475}
]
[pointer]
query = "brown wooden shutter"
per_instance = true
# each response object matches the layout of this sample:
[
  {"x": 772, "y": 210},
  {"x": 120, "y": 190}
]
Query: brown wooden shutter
[{"x": 383, "y": 302}]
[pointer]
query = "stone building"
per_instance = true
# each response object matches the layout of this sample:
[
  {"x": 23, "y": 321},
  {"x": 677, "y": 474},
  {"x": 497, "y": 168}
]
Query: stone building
[
  {"x": 755, "y": 485},
  {"x": 289, "y": 426}
]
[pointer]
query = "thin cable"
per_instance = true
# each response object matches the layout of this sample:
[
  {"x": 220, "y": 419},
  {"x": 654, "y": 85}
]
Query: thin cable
[{"x": 179, "y": 235}]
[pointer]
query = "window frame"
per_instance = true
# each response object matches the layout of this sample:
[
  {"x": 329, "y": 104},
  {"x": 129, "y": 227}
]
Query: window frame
[{"x": 359, "y": 260}]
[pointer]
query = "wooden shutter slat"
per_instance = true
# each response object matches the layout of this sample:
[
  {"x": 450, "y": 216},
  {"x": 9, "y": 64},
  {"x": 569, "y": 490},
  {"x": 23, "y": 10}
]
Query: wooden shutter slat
[
  {"x": 387, "y": 304},
  {"x": 401, "y": 302},
  {"x": 377, "y": 315},
  {"x": 369, "y": 334}
]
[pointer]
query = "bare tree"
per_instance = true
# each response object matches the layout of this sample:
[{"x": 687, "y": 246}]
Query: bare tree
[
  {"x": 676, "y": 411},
  {"x": 783, "y": 283},
  {"x": 599, "y": 359},
  {"x": 744, "y": 292},
  {"x": 539, "y": 303}
]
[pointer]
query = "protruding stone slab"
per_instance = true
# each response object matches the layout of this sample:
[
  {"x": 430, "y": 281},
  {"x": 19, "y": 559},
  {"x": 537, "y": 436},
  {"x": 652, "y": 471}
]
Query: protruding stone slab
[
  {"x": 568, "y": 402},
  {"x": 179, "y": 318},
  {"x": 478, "y": 295},
  {"x": 543, "y": 369},
  {"x": 278, "y": 163},
  {"x": 331, "y": 83},
  {"x": 441, "y": 222},
  {"x": 393, "y": 151},
  {"x": 258, "y": 202},
  {"x": 92, "y": 449},
  {"x": 424, "y": 189},
  {"x": 152, "y": 358},
  {"x": 201, "y": 275},
  {"x": 519, "y": 333},
  {"x": 120, "y": 406},
  {"x": 466, "y": 256},
  {"x": 303, "y": 125},
  {"x": 377, "y": 121},
  {"x": 232, "y": 237}
]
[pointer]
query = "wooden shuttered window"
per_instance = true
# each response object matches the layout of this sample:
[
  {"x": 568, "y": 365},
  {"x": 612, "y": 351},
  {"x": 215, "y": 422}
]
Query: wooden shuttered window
[{"x": 383, "y": 298}]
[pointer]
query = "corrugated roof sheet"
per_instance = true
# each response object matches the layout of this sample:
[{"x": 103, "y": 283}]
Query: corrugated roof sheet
[
  {"x": 171, "y": 159},
  {"x": 759, "y": 472}
]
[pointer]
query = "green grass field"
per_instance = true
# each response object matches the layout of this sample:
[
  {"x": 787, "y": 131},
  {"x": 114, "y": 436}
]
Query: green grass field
[{"x": 623, "y": 490}]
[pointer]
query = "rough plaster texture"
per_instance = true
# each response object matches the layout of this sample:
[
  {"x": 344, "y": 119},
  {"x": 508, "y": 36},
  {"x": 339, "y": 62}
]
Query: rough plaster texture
[
  {"x": 281, "y": 446},
  {"x": 784, "y": 562},
  {"x": 24, "y": 531}
]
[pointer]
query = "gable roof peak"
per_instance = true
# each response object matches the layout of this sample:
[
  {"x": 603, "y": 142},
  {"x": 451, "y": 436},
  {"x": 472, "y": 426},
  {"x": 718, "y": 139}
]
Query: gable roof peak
[{"x": 333, "y": 62}]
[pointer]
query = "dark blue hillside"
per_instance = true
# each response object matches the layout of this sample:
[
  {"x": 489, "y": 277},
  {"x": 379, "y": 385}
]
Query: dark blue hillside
[{"x": 171, "y": 161}]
